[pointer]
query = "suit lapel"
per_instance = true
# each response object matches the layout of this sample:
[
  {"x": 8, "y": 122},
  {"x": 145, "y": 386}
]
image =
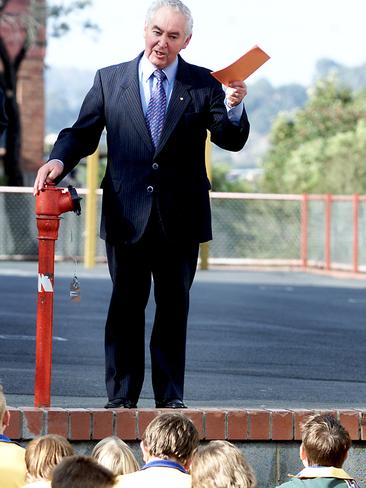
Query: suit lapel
[
  {"x": 179, "y": 100},
  {"x": 130, "y": 89}
]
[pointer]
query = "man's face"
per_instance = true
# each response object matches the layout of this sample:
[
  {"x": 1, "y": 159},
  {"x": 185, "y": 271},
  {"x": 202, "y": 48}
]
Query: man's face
[{"x": 165, "y": 37}]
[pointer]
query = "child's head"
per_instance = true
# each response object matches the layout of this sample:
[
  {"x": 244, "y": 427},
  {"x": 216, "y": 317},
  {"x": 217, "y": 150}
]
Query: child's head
[
  {"x": 170, "y": 436},
  {"x": 220, "y": 464},
  {"x": 43, "y": 454},
  {"x": 115, "y": 455},
  {"x": 82, "y": 472},
  {"x": 2, "y": 406},
  {"x": 325, "y": 442},
  {"x": 4, "y": 412}
]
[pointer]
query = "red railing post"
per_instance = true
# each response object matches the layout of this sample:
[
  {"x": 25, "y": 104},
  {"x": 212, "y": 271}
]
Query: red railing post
[
  {"x": 328, "y": 230},
  {"x": 356, "y": 207},
  {"x": 304, "y": 229}
]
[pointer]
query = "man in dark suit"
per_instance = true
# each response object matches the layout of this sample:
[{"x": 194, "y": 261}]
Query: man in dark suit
[{"x": 156, "y": 207}]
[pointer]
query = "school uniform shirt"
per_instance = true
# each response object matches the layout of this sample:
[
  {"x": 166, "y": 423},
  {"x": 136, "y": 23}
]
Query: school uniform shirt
[
  {"x": 12, "y": 464},
  {"x": 321, "y": 477},
  {"x": 155, "y": 478}
]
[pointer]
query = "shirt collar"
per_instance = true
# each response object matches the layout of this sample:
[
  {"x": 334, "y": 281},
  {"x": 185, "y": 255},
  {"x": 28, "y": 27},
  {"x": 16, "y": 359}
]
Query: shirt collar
[
  {"x": 4, "y": 438},
  {"x": 164, "y": 463},
  {"x": 323, "y": 472},
  {"x": 147, "y": 69}
]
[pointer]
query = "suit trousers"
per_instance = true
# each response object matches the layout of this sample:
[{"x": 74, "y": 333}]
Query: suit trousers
[{"x": 132, "y": 267}]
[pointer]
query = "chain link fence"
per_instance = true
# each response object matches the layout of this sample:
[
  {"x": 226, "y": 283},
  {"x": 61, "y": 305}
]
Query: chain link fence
[
  {"x": 254, "y": 229},
  {"x": 346, "y": 235},
  {"x": 248, "y": 229}
]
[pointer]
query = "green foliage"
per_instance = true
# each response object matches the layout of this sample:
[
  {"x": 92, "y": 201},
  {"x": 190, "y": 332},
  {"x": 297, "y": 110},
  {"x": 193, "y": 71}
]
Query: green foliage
[
  {"x": 322, "y": 147},
  {"x": 221, "y": 182}
]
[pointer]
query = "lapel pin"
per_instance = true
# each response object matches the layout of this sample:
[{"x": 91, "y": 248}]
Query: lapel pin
[{"x": 180, "y": 98}]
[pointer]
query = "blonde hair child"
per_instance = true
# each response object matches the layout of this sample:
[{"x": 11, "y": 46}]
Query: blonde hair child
[
  {"x": 42, "y": 455},
  {"x": 219, "y": 464},
  {"x": 114, "y": 454}
]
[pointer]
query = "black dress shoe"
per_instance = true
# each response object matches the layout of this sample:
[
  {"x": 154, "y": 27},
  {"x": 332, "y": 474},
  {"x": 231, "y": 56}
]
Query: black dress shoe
[
  {"x": 170, "y": 404},
  {"x": 120, "y": 403}
]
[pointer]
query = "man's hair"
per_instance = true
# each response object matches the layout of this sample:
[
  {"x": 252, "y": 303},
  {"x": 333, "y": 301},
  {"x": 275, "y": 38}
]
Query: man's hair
[
  {"x": 325, "y": 441},
  {"x": 2, "y": 405},
  {"x": 43, "y": 454},
  {"x": 220, "y": 464},
  {"x": 176, "y": 5},
  {"x": 171, "y": 436},
  {"x": 114, "y": 454},
  {"x": 82, "y": 472}
]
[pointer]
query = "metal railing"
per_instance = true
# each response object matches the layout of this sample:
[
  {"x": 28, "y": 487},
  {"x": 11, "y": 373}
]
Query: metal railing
[{"x": 326, "y": 231}]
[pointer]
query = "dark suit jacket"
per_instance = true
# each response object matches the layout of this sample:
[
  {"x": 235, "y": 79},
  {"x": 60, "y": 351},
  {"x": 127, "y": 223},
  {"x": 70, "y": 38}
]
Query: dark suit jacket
[
  {"x": 3, "y": 116},
  {"x": 175, "y": 170}
]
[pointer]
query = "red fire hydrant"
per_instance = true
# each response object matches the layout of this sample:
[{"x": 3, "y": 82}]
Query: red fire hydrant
[{"x": 51, "y": 202}]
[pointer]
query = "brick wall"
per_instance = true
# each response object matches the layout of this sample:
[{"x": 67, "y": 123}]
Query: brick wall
[
  {"x": 230, "y": 424},
  {"x": 30, "y": 90},
  {"x": 31, "y": 99}
]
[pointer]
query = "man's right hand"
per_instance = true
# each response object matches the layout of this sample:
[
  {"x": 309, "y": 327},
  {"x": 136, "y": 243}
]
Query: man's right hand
[{"x": 46, "y": 173}]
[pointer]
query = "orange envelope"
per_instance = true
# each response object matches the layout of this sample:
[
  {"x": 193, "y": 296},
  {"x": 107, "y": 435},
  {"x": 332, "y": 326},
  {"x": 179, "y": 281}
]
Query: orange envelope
[{"x": 243, "y": 67}]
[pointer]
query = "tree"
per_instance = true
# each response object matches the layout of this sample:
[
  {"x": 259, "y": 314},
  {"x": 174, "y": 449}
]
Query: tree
[
  {"x": 330, "y": 165},
  {"x": 266, "y": 101},
  {"x": 221, "y": 181},
  {"x": 29, "y": 28},
  {"x": 319, "y": 149}
]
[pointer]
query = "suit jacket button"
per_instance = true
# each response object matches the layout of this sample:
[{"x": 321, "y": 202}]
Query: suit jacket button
[
  {"x": 155, "y": 166},
  {"x": 150, "y": 189}
]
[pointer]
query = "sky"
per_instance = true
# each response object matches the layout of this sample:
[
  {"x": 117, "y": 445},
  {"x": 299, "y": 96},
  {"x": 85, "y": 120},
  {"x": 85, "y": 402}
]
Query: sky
[{"x": 295, "y": 33}]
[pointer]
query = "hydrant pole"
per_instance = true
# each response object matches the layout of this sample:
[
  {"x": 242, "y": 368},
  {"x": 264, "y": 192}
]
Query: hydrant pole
[
  {"x": 51, "y": 202},
  {"x": 47, "y": 235}
]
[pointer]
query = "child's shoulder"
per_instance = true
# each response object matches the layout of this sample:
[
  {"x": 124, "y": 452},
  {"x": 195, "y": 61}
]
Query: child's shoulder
[{"x": 319, "y": 483}]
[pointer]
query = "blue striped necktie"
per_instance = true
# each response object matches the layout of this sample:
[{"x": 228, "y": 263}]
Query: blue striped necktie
[{"x": 156, "y": 109}]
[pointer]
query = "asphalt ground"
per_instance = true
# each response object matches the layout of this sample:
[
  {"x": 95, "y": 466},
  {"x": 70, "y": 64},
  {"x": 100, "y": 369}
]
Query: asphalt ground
[{"x": 256, "y": 339}]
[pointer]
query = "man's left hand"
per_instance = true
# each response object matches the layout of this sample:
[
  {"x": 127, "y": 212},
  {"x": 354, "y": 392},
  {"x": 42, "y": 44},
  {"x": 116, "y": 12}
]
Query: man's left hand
[{"x": 235, "y": 93}]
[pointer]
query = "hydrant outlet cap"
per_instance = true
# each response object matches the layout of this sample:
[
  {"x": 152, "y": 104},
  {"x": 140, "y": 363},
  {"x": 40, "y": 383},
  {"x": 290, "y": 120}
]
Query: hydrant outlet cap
[{"x": 75, "y": 200}]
